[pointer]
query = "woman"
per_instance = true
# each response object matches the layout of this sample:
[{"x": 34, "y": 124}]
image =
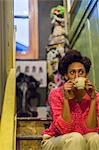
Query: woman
[{"x": 74, "y": 111}]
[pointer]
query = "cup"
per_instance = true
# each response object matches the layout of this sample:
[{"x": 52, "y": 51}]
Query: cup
[{"x": 80, "y": 83}]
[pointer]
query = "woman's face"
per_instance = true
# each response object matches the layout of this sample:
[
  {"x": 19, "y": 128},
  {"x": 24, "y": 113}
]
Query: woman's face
[{"x": 76, "y": 69}]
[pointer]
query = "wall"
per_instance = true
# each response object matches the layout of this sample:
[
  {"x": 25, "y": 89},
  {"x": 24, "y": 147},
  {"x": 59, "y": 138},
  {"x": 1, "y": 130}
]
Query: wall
[{"x": 84, "y": 34}]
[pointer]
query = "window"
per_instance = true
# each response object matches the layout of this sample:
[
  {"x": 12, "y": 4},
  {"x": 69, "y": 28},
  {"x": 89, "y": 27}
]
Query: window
[
  {"x": 26, "y": 22},
  {"x": 21, "y": 20}
]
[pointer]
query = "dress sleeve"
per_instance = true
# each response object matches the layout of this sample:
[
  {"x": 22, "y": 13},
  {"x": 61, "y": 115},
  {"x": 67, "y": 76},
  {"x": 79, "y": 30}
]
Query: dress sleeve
[{"x": 59, "y": 124}]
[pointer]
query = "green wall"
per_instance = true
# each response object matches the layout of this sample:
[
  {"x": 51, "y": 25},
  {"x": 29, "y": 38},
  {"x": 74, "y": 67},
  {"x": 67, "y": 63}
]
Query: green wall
[{"x": 84, "y": 35}]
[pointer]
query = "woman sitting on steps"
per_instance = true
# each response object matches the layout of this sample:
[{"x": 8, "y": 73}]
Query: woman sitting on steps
[{"x": 74, "y": 110}]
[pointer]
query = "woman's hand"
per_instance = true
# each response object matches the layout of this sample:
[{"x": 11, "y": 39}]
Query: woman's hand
[
  {"x": 68, "y": 89},
  {"x": 90, "y": 89}
]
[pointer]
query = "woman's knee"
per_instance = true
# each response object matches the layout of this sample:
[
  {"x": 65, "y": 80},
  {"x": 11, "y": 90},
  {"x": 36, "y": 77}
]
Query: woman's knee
[
  {"x": 94, "y": 139},
  {"x": 74, "y": 136},
  {"x": 77, "y": 137}
]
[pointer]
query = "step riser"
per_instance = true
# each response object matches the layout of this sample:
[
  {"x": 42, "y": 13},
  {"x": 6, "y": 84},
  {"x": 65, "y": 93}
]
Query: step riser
[
  {"x": 31, "y": 127},
  {"x": 29, "y": 145}
]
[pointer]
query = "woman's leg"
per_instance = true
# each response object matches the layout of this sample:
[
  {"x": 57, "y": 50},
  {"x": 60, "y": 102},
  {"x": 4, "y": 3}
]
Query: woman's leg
[
  {"x": 92, "y": 140},
  {"x": 71, "y": 141}
]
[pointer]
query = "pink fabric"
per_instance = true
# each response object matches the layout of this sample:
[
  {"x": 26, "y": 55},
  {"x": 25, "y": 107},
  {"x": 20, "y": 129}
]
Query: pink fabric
[{"x": 79, "y": 113}]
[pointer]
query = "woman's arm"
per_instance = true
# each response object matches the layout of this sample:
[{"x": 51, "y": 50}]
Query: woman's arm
[
  {"x": 56, "y": 108},
  {"x": 91, "y": 120},
  {"x": 68, "y": 94},
  {"x": 66, "y": 111}
]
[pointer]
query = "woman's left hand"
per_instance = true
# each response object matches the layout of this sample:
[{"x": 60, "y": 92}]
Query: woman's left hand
[{"x": 90, "y": 89}]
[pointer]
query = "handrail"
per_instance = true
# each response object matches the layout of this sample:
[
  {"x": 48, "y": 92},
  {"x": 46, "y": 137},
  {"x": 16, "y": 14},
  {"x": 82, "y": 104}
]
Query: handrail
[{"x": 7, "y": 124}]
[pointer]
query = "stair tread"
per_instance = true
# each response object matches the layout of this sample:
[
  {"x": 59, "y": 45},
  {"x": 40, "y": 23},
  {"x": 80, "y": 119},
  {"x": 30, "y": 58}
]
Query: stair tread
[
  {"x": 30, "y": 137},
  {"x": 33, "y": 119}
]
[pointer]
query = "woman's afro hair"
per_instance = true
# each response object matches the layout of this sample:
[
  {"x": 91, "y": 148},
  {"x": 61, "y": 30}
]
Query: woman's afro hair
[{"x": 70, "y": 57}]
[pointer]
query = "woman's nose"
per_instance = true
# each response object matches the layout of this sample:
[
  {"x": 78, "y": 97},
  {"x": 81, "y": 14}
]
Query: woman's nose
[{"x": 77, "y": 75}]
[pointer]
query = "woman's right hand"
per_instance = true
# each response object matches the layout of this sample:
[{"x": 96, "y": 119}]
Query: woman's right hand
[{"x": 68, "y": 89}]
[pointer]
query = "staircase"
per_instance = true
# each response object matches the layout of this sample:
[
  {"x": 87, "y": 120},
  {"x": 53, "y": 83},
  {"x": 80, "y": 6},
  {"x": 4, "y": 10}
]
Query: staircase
[{"x": 29, "y": 131}]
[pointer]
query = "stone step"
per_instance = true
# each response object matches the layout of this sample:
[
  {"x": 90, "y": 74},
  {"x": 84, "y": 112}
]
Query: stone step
[{"x": 29, "y": 132}]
